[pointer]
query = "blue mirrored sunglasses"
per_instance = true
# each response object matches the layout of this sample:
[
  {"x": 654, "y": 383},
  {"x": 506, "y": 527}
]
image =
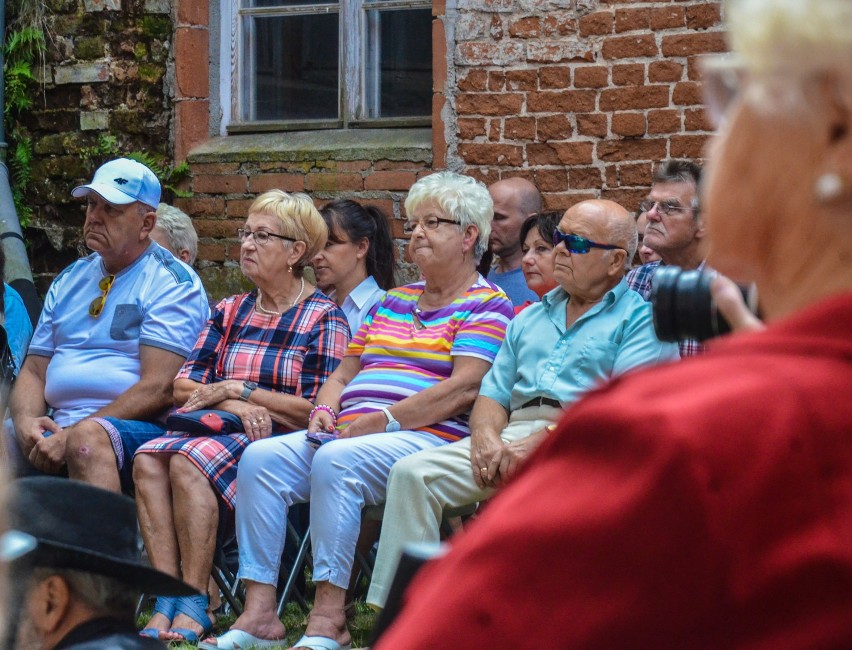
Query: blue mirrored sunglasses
[{"x": 577, "y": 244}]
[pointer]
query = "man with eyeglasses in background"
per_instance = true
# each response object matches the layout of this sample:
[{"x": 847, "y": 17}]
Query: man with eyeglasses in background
[
  {"x": 675, "y": 229},
  {"x": 585, "y": 331},
  {"x": 115, "y": 328}
]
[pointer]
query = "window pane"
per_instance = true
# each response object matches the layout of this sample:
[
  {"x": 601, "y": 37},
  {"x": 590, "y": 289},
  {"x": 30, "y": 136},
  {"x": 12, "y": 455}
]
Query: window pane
[
  {"x": 399, "y": 63},
  {"x": 295, "y": 71},
  {"x": 268, "y": 4}
]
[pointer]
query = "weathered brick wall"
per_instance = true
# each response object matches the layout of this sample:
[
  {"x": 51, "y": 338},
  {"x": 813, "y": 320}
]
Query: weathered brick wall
[
  {"x": 223, "y": 192},
  {"x": 582, "y": 96},
  {"x": 107, "y": 72}
]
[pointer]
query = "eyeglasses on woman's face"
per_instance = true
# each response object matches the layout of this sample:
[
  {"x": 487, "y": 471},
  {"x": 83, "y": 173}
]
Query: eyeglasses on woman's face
[
  {"x": 261, "y": 237},
  {"x": 429, "y": 223}
]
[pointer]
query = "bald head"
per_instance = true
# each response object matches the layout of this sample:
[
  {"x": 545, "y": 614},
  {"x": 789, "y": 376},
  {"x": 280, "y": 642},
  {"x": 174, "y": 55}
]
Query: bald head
[
  {"x": 515, "y": 199},
  {"x": 525, "y": 195},
  {"x": 616, "y": 225}
]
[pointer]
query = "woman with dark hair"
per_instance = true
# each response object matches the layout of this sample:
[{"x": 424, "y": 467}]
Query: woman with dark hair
[
  {"x": 355, "y": 267},
  {"x": 537, "y": 247}
]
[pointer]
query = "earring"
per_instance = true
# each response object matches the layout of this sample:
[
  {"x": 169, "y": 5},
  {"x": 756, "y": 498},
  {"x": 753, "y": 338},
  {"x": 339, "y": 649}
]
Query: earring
[
  {"x": 289, "y": 269},
  {"x": 829, "y": 187}
]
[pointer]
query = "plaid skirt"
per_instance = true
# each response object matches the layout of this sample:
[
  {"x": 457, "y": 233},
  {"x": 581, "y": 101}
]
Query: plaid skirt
[{"x": 215, "y": 456}]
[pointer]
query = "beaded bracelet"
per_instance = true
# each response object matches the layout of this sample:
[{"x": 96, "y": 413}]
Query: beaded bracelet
[{"x": 327, "y": 409}]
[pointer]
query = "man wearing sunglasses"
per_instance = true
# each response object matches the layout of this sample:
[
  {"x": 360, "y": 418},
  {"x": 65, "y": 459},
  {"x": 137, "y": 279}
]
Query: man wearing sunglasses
[
  {"x": 590, "y": 328},
  {"x": 675, "y": 229},
  {"x": 115, "y": 328}
]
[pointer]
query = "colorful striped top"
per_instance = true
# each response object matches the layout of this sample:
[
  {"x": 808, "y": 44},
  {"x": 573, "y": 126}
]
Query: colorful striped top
[{"x": 399, "y": 359}]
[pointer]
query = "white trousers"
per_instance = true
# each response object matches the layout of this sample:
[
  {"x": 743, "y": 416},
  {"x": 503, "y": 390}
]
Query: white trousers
[
  {"x": 422, "y": 486},
  {"x": 339, "y": 479}
]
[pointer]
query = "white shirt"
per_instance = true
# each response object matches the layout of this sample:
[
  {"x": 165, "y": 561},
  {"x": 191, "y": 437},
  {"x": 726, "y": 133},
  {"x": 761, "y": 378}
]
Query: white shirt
[{"x": 360, "y": 301}]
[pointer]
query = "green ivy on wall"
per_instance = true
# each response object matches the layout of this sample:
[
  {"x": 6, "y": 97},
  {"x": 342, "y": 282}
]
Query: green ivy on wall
[
  {"x": 107, "y": 147},
  {"x": 24, "y": 50}
]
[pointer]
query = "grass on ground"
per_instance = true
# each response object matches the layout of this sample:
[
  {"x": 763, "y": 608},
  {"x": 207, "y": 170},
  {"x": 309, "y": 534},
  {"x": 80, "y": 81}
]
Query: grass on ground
[{"x": 295, "y": 621}]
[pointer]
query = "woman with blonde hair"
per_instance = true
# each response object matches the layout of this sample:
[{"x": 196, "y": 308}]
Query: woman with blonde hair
[
  {"x": 263, "y": 357},
  {"x": 407, "y": 383}
]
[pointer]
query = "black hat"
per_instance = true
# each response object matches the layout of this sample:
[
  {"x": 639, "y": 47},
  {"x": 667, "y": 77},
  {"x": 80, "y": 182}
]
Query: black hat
[{"x": 79, "y": 526}]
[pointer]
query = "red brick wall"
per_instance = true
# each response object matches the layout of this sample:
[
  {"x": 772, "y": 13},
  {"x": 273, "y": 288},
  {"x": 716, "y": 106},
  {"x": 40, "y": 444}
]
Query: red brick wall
[
  {"x": 581, "y": 101},
  {"x": 223, "y": 192},
  {"x": 192, "y": 79}
]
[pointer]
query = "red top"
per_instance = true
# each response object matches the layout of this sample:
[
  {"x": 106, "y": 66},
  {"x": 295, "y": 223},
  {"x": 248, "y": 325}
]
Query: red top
[{"x": 705, "y": 504}]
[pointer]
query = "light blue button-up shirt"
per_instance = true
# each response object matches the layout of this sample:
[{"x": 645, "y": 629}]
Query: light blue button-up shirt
[{"x": 541, "y": 357}]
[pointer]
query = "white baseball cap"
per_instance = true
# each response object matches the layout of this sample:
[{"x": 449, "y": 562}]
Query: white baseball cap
[{"x": 123, "y": 181}]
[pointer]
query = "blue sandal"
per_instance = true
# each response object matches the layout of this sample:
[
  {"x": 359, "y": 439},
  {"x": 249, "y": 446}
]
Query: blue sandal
[
  {"x": 164, "y": 605},
  {"x": 195, "y": 607}
]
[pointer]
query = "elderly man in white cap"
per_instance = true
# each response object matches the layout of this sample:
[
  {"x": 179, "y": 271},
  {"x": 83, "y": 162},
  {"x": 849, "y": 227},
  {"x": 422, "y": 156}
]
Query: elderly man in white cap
[{"x": 115, "y": 328}]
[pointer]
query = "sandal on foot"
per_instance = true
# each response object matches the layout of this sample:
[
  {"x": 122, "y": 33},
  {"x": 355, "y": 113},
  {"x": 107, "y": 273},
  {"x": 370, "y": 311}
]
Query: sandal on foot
[
  {"x": 319, "y": 643},
  {"x": 241, "y": 640},
  {"x": 195, "y": 607},
  {"x": 164, "y": 605}
]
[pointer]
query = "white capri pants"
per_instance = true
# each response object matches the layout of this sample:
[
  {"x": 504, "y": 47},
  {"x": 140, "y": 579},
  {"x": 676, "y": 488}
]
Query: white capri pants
[{"x": 339, "y": 479}]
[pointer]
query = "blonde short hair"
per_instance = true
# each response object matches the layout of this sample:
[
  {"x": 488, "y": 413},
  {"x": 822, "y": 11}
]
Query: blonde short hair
[
  {"x": 792, "y": 36},
  {"x": 299, "y": 219}
]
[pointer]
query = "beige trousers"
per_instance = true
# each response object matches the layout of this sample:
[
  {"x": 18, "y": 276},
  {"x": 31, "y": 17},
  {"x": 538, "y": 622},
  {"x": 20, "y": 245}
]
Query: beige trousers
[{"x": 423, "y": 485}]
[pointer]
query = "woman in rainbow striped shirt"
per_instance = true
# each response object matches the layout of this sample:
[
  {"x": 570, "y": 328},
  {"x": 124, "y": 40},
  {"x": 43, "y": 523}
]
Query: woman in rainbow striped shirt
[{"x": 407, "y": 383}]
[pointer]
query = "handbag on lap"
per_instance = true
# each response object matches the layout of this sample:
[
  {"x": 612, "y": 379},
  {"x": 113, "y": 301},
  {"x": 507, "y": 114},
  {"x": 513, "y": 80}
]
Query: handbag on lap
[{"x": 205, "y": 422}]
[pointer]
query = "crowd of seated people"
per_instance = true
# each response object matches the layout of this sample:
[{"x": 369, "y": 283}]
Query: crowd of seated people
[
  {"x": 344, "y": 394},
  {"x": 424, "y": 397},
  {"x": 704, "y": 503}
]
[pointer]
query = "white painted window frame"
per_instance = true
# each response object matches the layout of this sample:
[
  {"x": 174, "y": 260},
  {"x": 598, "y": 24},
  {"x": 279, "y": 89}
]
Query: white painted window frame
[{"x": 355, "y": 106}]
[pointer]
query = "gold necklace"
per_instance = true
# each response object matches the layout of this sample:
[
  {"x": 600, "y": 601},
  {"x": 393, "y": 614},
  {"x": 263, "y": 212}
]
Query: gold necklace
[
  {"x": 258, "y": 305},
  {"x": 417, "y": 311}
]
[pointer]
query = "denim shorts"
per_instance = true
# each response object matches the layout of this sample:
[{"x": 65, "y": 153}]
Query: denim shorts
[{"x": 126, "y": 437}]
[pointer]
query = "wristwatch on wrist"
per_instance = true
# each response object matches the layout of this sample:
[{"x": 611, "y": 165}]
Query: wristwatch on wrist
[
  {"x": 248, "y": 387},
  {"x": 393, "y": 425}
]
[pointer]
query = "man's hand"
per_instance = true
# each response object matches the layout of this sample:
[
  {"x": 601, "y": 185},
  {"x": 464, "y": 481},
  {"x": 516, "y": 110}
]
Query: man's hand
[
  {"x": 509, "y": 458},
  {"x": 483, "y": 448},
  {"x": 48, "y": 454},
  {"x": 32, "y": 430}
]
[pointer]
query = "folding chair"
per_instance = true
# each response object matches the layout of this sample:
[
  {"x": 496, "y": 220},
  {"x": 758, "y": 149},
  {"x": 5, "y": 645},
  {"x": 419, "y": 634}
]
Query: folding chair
[
  {"x": 294, "y": 568},
  {"x": 225, "y": 562},
  {"x": 365, "y": 558}
]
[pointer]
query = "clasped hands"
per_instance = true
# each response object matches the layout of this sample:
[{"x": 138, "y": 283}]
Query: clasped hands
[
  {"x": 493, "y": 462},
  {"x": 373, "y": 422},
  {"x": 256, "y": 419}
]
